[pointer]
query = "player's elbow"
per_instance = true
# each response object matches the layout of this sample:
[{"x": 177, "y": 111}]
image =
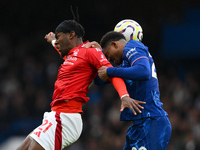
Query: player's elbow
[{"x": 146, "y": 74}]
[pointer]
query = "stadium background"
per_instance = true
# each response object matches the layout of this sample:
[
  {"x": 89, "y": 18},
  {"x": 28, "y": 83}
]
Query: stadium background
[{"x": 28, "y": 67}]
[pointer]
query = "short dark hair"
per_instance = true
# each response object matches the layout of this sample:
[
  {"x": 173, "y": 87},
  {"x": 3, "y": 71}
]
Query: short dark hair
[
  {"x": 70, "y": 25},
  {"x": 109, "y": 37}
]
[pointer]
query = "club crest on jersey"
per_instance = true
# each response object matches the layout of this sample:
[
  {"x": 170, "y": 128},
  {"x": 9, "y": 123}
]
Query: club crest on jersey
[
  {"x": 76, "y": 52},
  {"x": 131, "y": 52}
]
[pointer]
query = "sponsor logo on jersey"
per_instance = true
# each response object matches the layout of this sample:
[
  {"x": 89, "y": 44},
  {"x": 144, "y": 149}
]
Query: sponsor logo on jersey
[
  {"x": 131, "y": 52},
  {"x": 69, "y": 63},
  {"x": 76, "y": 52},
  {"x": 103, "y": 58},
  {"x": 69, "y": 60}
]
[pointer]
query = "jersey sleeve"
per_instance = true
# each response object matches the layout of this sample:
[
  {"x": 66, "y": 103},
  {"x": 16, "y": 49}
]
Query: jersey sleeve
[
  {"x": 140, "y": 71},
  {"x": 134, "y": 54},
  {"x": 96, "y": 58},
  {"x": 119, "y": 84}
]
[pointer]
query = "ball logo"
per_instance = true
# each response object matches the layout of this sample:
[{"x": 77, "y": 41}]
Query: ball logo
[{"x": 140, "y": 36}]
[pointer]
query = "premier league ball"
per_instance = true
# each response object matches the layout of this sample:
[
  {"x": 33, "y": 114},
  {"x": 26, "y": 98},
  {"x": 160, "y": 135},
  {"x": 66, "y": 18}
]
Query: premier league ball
[{"x": 130, "y": 29}]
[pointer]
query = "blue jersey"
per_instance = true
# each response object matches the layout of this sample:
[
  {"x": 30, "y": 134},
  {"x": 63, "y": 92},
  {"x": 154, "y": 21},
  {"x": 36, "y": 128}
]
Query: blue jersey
[{"x": 138, "y": 89}]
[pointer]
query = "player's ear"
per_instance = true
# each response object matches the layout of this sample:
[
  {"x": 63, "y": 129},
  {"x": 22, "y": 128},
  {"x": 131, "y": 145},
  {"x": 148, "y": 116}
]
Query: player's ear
[
  {"x": 115, "y": 44},
  {"x": 72, "y": 34}
]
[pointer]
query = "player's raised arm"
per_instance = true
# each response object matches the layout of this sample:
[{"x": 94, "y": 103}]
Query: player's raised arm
[{"x": 50, "y": 37}]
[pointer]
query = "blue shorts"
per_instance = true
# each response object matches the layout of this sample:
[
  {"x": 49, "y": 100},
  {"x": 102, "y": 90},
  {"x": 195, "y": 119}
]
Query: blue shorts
[{"x": 149, "y": 134}]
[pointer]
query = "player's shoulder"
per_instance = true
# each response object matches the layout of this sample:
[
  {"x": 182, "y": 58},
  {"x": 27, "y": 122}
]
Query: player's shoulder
[
  {"x": 133, "y": 43},
  {"x": 135, "y": 49},
  {"x": 138, "y": 46},
  {"x": 92, "y": 50}
]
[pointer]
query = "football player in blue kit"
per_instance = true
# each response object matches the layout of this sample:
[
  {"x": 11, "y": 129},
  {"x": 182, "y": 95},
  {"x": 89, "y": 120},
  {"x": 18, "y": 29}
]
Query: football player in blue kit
[{"x": 151, "y": 129}]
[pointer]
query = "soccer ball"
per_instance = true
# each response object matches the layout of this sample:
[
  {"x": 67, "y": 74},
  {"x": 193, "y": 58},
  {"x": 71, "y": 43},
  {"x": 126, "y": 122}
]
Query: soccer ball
[{"x": 130, "y": 29}]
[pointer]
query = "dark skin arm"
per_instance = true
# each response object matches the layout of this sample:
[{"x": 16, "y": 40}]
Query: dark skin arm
[
  {"x": 93, "y": 44},
  {"x": 102, "y": 73},
  {"x": 131, "y": 103},
  {"x": 50, "y": 37}
]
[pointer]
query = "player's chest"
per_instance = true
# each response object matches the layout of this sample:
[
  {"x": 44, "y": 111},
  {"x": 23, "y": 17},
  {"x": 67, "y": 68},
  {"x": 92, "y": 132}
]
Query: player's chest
[{"x": 72, "y": 63}]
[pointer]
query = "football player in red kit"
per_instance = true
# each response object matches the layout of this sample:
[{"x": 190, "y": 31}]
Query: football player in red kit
[{"x": 62, "y": 126}]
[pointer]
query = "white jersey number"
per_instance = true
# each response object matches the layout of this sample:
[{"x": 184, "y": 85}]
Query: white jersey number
[{"x": 153, "y": 69}]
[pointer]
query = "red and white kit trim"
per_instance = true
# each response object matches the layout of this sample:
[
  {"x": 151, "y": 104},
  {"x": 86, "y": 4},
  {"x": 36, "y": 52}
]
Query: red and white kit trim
[{"x": 58, "y": 130}]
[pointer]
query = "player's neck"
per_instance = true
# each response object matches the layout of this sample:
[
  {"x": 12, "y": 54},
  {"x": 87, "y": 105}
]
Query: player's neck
[{"x": 79, "y": 41}]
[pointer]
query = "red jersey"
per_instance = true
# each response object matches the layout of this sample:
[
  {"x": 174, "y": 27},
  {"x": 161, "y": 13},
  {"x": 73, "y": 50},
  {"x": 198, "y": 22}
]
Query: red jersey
[{"x": 74, "y": 76}]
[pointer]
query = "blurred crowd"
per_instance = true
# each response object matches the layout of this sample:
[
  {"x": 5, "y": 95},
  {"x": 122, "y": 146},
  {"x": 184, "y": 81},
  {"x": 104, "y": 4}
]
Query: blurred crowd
[{"x": 27, "y": 77}]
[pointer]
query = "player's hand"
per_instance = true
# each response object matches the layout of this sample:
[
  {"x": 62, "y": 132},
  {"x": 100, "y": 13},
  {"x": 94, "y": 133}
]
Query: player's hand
[
  {"x": 102, "y": 73},
  {"x": 93, "y": 44},
  {"x": 131, "y": 103},
  {"x": 50, "y": 37}
]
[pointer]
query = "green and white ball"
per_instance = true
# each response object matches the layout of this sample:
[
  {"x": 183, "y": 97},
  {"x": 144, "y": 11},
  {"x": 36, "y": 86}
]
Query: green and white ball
[{"x": 130, "y": 29}]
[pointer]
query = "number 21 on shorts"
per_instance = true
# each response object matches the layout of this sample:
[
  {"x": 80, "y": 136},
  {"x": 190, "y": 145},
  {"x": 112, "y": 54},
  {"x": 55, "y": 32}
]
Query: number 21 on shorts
[{"x": 43, "y": 128}]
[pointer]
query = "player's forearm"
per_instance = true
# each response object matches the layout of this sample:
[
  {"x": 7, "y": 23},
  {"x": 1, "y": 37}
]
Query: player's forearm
[
  {"x": 140, "y": 71},
  {"x": 119, "y": 85},
  {"x": 53, "y": 44}
]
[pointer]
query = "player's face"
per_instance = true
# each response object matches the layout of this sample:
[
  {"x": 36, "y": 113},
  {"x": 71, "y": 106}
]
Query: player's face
[
  {"x": 113, "y": 54},
  {"x": 63, "y": 43}
]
